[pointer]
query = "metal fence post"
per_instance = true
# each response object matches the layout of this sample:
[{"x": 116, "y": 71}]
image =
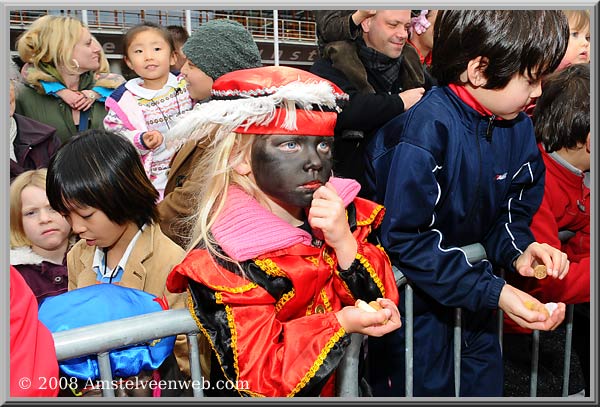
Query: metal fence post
[
  {"x": 535, "y": 354},
  {"x": 194, "y": 357},
  {"x": 347, "y": 380},
  {"x": 457, "y": 349},
  {"x": 568, "y": 345}
]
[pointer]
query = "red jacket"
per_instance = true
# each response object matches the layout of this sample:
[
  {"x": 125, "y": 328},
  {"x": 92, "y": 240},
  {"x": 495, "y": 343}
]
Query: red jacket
[
  {"x": 274, "y": 328},
  {"x": 33, "y": 364},
  {"x": 566, "y": 206}
]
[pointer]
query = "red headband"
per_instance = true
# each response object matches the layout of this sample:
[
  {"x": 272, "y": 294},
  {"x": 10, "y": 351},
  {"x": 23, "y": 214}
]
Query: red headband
[{"x": 315, "y": 99}]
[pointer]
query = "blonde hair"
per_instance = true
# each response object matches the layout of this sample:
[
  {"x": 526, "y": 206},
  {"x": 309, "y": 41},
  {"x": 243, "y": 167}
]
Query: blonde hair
[
  {"x": 51, "y": 40},
  {"x": 217, "y": 173},
  {"x": 104, "y": 65},
  {"x": 580, "y": 18},
  {"x": 36, "y": 178}
]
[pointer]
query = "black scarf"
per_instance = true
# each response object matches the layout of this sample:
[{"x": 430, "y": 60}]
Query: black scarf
[{"x": 386, "y": 68}]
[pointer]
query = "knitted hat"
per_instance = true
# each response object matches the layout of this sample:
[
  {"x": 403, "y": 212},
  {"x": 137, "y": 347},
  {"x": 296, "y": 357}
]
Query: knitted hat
[
  {"x": 221, "y": 46},
  {"x": 266, "y": 100}
]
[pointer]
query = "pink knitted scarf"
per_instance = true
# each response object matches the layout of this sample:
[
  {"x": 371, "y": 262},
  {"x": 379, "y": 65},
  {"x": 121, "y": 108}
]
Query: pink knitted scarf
[{"x": 245, "y": 229}]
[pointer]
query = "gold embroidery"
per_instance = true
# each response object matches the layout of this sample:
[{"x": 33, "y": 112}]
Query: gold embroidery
[
  {"x": 235, "y": 290},
  {"x": 380, "y": 247},
  {"x": 313, "y": 259},
  {"x": 231, "y": 323},
  {"x": 365, "y": 263},
  {"x": 309, "y": 308},
  {"x": 320, "y": 359},
  {"x": 326, "y": 302},
  {"x": 328, "y": 259},
  {"x": 270, "y": 267},
  {"x": 284, "y": 299},
  {"x": 371, "y": 218},
  {"x": 190, "y": 305}
]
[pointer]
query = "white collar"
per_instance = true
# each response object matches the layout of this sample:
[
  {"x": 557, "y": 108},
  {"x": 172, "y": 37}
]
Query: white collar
[
  {"x": 134, "y": 86},
  {"x": 100, "y": 261}
]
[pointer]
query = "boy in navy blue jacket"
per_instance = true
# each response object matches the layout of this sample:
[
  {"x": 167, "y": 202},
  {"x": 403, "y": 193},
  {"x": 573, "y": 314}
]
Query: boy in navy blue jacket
[{"x": 462, "y": 167}]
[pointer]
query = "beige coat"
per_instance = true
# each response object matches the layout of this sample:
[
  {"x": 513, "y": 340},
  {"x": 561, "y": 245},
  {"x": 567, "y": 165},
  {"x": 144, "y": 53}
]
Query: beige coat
[{"x": 147, "y": 268}]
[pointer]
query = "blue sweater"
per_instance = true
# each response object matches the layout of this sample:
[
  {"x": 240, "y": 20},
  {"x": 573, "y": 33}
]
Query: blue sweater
[{"x": 450, "y": 177}]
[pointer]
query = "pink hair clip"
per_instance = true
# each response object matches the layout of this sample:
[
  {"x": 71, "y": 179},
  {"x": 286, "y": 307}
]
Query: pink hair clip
[{"x": 420, "y": 24}]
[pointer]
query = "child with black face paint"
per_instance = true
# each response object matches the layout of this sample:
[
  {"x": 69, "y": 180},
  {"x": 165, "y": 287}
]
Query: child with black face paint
[{"x": 282, "y": 250}]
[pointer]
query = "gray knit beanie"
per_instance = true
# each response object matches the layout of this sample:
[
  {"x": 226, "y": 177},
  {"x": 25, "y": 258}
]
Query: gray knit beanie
[{"x": 221, "y": 46}]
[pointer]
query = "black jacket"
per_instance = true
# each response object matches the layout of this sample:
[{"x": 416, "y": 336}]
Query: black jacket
[
  {"x": 367, "y": 112},
  {"x": 34, "y": 145}
]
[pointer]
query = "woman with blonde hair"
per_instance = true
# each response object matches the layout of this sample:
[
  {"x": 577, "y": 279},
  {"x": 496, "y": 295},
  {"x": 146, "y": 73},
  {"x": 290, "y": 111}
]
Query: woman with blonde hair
[
  {"x": 60, "y": 49},
  {"x": 283, "y": 250}
]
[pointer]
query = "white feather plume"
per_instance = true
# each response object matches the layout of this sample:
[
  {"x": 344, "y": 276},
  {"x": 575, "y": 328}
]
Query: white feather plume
[{"x": 223, "y": 116}]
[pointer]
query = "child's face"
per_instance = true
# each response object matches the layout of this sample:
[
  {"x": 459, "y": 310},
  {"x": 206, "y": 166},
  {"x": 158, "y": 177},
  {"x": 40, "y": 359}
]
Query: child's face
[
  {"x": 578, "y": 50},
  {"x": 151, "y": 57},
  {"x": 509, "y": 101},
  {"x": 179, "y": 58},
  {"x": 199, "y": 84},
  {"x": 95, "y": 227},
  {"x": 44, "y": 227},
  {"x": 87, "y": 52},
  {"x": 290, "y": 168}
]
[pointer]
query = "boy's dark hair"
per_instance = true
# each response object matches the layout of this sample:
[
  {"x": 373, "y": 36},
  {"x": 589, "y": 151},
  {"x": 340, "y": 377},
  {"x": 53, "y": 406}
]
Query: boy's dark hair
[
  {"x": 102, "y": 170},
  {"x": 527, "y": 42},
  {"x": 146, "y": 25},
  {"x": 562, "y": 113},
  {"x": 179, "y": 34}
]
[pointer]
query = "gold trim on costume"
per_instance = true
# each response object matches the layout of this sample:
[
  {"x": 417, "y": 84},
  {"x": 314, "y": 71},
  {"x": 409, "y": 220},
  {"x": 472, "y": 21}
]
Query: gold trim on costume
[
  {"x": 313, "y": 259},
  {"x": 270, "y": 267},
  {"x": 326, "y": 302},
  {"x": 320, "y": 359},
  {"x": 190, "y": 304},
  {"x": 371, "y": 217},
  {"x": 365, "y": 263},
  {"x": 235, "y": 290},
  {"x": 284, "y": 299}
]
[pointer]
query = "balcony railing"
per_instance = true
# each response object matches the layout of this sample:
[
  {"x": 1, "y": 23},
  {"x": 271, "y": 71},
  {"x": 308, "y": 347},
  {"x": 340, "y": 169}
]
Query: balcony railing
[{"x": 259, "y": 24}]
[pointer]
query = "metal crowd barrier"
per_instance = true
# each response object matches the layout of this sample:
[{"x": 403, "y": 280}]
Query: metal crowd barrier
[
  {"x": 99, "y": 339},
  {"x": 476, "y": 252}
]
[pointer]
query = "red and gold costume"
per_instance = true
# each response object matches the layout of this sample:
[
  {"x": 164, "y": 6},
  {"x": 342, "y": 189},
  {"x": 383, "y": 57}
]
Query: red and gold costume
[{"x": 273, "y": 328}]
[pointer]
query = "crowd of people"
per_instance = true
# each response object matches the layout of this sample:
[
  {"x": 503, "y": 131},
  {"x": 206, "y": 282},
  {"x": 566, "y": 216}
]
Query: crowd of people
[{"x": 269, "y": 200}]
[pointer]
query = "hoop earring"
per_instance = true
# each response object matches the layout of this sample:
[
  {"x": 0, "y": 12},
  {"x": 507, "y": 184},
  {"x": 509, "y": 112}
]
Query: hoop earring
[{"x": 76, "y": 63}]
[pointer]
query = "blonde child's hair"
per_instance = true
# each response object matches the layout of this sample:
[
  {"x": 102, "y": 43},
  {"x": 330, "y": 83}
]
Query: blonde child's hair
[
  {"x": 580, "y": 18},
  {"x": 217, "y": 174},
  {"x": 51, "y": 40},
  {"x": 36, "y": 178}
]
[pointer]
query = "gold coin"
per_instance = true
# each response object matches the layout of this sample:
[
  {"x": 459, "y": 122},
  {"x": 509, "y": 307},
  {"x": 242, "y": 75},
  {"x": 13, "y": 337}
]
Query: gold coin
[{"x": 539, "y": 272}]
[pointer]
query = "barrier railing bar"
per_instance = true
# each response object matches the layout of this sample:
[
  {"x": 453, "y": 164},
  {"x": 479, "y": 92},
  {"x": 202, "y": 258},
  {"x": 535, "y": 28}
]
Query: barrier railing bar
[
  {"x": 457, "y": 344},
  {"x": 194, "y": 357},
  {"x": 535, "y": 354},
  {"x": 568, "y": 344},
  {"x": 120, "y": 333},
  {"x": 409, "y": 319},
  {"x": 346, "y": 383},
  {"x": 105, "y": 374},
  {"x": 501, "y": 319}
]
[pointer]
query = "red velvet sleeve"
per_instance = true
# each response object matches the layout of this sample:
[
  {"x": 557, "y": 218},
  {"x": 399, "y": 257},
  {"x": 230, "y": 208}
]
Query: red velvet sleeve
[{"x": 575, "y": 287}]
